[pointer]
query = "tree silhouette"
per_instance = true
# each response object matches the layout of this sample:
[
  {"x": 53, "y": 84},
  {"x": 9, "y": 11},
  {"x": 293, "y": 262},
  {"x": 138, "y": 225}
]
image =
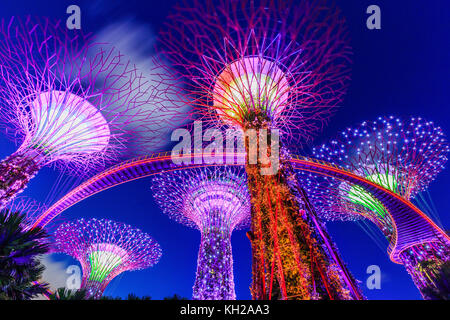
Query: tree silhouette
[
  {"x": 20, "y": 247},
  {"x": 175, "y": 297},
  {"x": 66, "y": 294}
]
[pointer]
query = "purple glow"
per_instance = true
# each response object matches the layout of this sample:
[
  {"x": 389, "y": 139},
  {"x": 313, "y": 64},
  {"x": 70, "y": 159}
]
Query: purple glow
[
  {"x": 215, "y": 201},
  {"x": 412, "y": 151},
  {"x": 287, "y": 61},
  {"x": 105, "y": 249},
  {"x": 69, "y": 102},
  {"x": 401, "y": 156}
]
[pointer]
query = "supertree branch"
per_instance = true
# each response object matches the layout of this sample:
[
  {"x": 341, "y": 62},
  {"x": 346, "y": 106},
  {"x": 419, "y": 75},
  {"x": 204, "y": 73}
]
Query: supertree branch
[
  {"x": 289, "y": 62},
  {"x": 70, "y": 101},
  {"x": 105, "y": 249},
  {"x": 216, "y": 202},
  {"x": 336, "y": 200},
  {"x": 401, "y": 156}
]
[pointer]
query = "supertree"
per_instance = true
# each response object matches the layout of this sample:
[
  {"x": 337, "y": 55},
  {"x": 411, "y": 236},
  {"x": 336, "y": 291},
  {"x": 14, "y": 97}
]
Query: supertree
[
  {"x": 67, "y": 100},
  {"x": 215, "y": 201},
  {"x": 105, "y": 249},
  {"x": 279, "y": 68},
  {"x": 401, "y": 155}
]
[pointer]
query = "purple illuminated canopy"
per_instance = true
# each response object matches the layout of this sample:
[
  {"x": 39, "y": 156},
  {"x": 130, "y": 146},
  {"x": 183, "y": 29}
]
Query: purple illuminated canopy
[
  {"x": 105, "y": 249},
  {"x": 69, "y": 101}
]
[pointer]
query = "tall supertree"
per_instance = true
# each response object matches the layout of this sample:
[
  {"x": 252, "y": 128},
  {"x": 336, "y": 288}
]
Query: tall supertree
[
  {"x": 67, "y": 100},
  {"x": 401, "y": 155},
  {"x": 105, "y": 249},
  {"x": 215, "y": 201},
  {"x": 266, "y": 66}
]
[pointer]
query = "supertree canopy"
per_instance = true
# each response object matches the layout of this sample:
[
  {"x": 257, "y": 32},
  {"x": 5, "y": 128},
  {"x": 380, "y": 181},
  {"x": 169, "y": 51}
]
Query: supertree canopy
[
  {"x": 66, "y": 100},
  {"x": 215, "y": 201},
  {"x": 403, "y": 156},
  {"x": 268, "y": 65},
  {"x": 105, "y": 249}
]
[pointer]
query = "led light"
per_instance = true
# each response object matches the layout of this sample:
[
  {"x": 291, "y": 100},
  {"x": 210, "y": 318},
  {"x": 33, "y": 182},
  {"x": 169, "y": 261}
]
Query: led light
[
  {"x": 249, "y": 84},
  {"x": 65, "y": 124}
]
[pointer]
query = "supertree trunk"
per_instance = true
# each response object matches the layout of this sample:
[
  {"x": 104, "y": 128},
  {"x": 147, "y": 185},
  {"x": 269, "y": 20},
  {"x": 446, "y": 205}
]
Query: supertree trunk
[
  {"x": 426, "y": 263},
  {"x": 277, "y": 264},
  {"x": 94, "y": 289},
  {"x": 214, "y": 279},
  {"x": 215, "y": 201},
  {"x": 15, "y": 173},
  {"x": 290, "y": 261}
]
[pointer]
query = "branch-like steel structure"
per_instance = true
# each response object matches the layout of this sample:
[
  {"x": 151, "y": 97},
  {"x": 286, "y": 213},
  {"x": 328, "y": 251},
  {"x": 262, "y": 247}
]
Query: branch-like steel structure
[
  {"x": 215, "y": 201},
  {"x": 105, "y": 249},
  {"x": 401, "y": 155},
  {"x": 68, "y": 100}
]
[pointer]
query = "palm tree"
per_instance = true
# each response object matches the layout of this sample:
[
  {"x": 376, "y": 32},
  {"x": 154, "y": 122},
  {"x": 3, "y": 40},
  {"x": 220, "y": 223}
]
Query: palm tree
[
  {"x": 132, "y": 296},
  {"x": 20, "y": 247},
  {"x": 175, "y": 297},
  {"x": 110, "y": 298}
]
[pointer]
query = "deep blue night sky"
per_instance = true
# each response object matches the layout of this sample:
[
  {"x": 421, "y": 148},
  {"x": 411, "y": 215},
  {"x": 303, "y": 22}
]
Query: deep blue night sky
[{"x": 402, "y": 70}]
